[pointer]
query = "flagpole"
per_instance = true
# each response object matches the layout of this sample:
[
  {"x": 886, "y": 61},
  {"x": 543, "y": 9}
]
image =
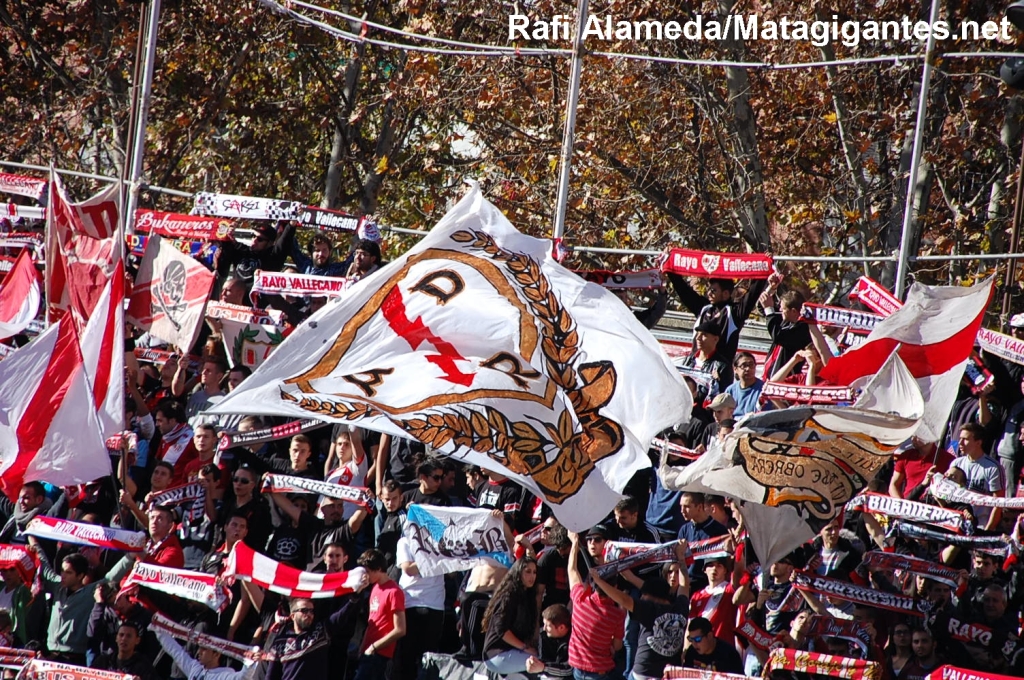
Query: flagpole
[
  {"x": 139, "y": 142},
  {"x": 915, "y": 158},
  {"x": 565, "y": 157}
]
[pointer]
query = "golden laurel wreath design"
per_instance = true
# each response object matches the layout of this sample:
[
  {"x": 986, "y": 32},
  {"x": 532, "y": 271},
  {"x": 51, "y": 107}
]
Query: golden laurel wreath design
[{"x": 558, "y": 460}]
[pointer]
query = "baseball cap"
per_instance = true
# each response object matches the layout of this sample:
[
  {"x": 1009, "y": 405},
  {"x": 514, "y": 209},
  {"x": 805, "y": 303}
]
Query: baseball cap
[
  {"x": 723, "y": 400},
  {"x": 598, "y": 530},
  {"x": 708, "y": 328}
]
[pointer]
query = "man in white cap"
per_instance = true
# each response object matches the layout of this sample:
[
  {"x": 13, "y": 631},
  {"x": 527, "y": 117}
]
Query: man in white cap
[{"x": 722, "y": 408}]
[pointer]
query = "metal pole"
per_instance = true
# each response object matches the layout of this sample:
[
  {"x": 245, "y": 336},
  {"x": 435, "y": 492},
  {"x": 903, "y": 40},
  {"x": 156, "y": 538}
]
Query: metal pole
[
  {"x": 915, "y": 160},
  {"x": 565, "y": 157},
  {"x": 1004, "y": 318},
  {"x": 139, "y": 143}
]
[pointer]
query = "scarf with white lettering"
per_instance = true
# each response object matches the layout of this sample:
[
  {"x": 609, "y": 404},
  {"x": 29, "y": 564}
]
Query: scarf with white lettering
[
  {"x": 186, "y": 493},
  {"x": 822, "y": 664},
  {"x": 724, "y": 265},
  {"x": 897, "y": 508},
  {"x": 1002, "y": 345},
  {"x": 946, "y": 490},
  {"x": 754, "y": 634},
  {"x": 40, "y": 669},
  {"x": 269, "y": 434},
  {"x": 807, "y": 394},
  {"x": 846, "y": 629},
  {"x": 283, "y": 283},
  {"x": 874, "y": 296},
  {"x": 232, "y": 650},
  {"x": 998, "y": 545},
  {"x": 25, "y": 562},
  {"x": 80, "y": 533},
  {"x": 659, "y": 553},
  {"x": 246, "y": 564},
  {"x": 843, "y": 590},
  {"x": 174, "y": 443},
  {"x": 191, "y": 585},
  {"x": 243, "y": 314},
  {"x": 274, "y": 483}
]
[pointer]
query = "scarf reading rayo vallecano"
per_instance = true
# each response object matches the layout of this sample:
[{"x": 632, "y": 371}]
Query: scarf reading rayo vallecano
[
  {"x": 80, "y": 533},
  {"x": 191, "y": 585},
  {"x": 232, "y": 650}
]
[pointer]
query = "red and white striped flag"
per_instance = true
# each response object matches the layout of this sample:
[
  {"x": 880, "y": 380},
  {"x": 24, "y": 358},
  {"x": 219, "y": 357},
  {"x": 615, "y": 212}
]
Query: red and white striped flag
[
  {"x": 934, "y": 333},
  {"x": 20, "y": 296},
  {"x": 248, "y": 565},
  {"x": 45, "y": 432}
]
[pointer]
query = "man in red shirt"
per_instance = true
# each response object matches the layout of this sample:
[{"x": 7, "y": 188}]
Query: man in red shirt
[
  {"x": 598, "y": 624},
  {"x": 913, "y": 463},
  {"x": 386, "y": 623},
  {"x": 163, "y": 546}
]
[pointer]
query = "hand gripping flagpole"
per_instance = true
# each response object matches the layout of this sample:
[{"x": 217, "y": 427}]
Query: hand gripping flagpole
[{"x": 565, "y": 157}]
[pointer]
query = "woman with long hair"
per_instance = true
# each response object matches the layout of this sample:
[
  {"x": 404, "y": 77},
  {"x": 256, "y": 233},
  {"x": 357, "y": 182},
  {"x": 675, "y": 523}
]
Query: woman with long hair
[
  {"x": 899, "y": 651},
  {"x": 510, "y": 622}
]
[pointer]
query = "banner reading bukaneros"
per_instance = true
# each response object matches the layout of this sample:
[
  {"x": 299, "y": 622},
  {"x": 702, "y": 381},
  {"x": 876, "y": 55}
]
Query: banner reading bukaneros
[
  {"x": 718, "y": 265},
  {"x": 327, "y": 220},
  {"x": 175, "y": 225},
  {"x": 826, "y": 315}
]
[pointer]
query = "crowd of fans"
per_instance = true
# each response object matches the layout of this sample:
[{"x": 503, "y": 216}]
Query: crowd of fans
[{"x": 550, "y": 614}]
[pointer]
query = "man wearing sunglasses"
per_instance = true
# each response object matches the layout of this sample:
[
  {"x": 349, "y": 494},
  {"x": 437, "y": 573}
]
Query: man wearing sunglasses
[
  {"x": 706, "y": 652},
  {"x": 430, "y": 474}
]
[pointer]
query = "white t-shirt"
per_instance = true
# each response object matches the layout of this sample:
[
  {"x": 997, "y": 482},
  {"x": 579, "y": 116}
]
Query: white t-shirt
[
  {"x": 419, "y": 591},
  {"x": 983, "y": 476}
]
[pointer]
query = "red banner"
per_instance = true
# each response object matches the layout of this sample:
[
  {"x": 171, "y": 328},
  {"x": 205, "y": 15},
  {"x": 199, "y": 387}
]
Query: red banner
[
  {"x": 874, "y": 296},
  {"x": 719, "y": 265},
  {"x": 176, "y": 225}
]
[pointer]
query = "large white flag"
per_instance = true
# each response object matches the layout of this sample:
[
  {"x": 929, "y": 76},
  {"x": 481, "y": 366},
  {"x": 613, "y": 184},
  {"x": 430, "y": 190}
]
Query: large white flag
[
  {"x": 48, "y": 431},
  {"x": 170, "y": 294},
  {"x": 933, "y": 333},
  {"x": 479, "y": 344}
]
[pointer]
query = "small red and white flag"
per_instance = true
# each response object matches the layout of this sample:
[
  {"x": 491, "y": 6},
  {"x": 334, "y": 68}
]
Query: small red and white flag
[
  {"x": 933, "y": 333},
  {"x": 20, "y": 296},
  {"x": 48, "y": 428},
  {"x": 170, "y": 294}
]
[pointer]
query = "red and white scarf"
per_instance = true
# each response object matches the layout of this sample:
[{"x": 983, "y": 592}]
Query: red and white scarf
[
  {"x": 724, "y": 265},
  {"x": 80, "y": 533},
  {"x": 822, "y": 664},
  {"x": 807, "y": 394},
  {"x": 248, "y": 565},
  {"x": 275, "y": 483},
  {"x": 174, "y": 443},
  {"x": 191, "y": 585},
  {"x": 676, "y": 450},
  {"x": 680, "y": 673},
  {"x": 844, "y": 590},
  {"x": 22, "y": 185},
  {"x": 918, "y": 512},
  {"x": 754, "y": 634},
  {"x": 15, "y": 659},
  {"x": 946, "y": 490},
  {"x": 232, "y": 650},
  {"x": 875, "y": 296},
  {"x": 243, "y": 314},
  {"x": 39, "y": 669},
  {"x": 281, "y": 283},
  {"x": 175, "y": 225},
  {"x": 26, "y": 563}
]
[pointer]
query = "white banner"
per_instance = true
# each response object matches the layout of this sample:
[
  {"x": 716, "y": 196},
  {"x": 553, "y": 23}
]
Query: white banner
[
  {"x": 245, "y": 207},
  {"x": 282, "y": 283},
  {"x": 445, "y": 540}
]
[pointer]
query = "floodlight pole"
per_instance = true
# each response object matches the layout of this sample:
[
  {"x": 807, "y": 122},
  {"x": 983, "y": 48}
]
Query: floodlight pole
[
  {"x": 565, "y": 157},
  {"x": 144, "y": 94},
  {"x": 915, "y": 159}
]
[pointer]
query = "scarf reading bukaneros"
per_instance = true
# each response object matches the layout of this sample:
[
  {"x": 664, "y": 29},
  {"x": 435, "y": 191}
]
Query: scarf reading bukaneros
[
  {"x": 243, "y": 314},
  {"x": 676, "y": 450},
  {"x": 191, "y": 227},
  {"x": 874, "y": 296},
  {"x": 359, "y": 495},
  {"x": 269, "y": 434},
  {"x": 908, "y": 563},
  {"x": 998, "y": 545},
  {"x": 327, "y": 220},
  {"x": 246, "y": 564},
  {"x": 841, "y": 317},
  {"x": 645, "y": 278},
  {"x": 177, "y": 495},
  {"x": 80, "y": 533},
  {"x": 754, "y": 634},
  {"x": 946, "y": 490},
  {"x": 808, "y": 394},
  {"x": 718, "y": 265},
  {"x": 22, "y": 185},
  {"x": 191, "y": 585},
  {"x": 245, "y": 207},
  {"x": 822, "y": 664},
  {"x": 39, "y": 669},
  {"x": 843, "y": 590},
  {"x": 232, "y": 650},
  {"x": 659, "y": 553},
  {"x": 914, "y": 511},
  {"x": 281, "y": 283},
  {"x": 846, "y": 629}
]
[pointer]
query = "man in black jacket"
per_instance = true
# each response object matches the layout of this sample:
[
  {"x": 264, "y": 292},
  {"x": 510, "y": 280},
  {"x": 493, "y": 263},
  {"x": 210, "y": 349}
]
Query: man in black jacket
[{"x": 718, "y": 308}]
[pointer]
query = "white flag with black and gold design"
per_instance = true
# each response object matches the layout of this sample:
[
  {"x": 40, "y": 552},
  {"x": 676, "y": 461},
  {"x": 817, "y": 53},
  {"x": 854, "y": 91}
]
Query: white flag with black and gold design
[{"x": 479, "y": 344}]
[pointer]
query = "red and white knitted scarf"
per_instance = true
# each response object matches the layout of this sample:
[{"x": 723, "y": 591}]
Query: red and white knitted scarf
[
  {"x": 80, "y": 533},
  {"x": 248, "y": 565},
  {"x": 822, "y": 664},
  {"x": 359, "y": 495},
  {"x": 191, "y": 585}
]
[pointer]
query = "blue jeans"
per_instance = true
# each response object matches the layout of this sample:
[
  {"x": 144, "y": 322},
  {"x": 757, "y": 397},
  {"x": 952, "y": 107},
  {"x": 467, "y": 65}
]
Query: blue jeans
[
  {"x": 509, "y": 661},
  {"x": 577, "y": 674},
  {"x": 372, "y": 667}
]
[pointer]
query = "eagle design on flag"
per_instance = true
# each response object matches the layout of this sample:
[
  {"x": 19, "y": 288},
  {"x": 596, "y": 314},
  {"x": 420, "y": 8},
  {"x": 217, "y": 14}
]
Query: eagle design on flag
[
  {"x": 478, "y": 344},
  {"x": 552, "y": 453}
]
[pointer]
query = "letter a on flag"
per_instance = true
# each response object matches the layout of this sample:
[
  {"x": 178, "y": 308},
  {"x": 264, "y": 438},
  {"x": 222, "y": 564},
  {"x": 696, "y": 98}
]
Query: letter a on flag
[
  {"x": 477, "y": 343},
  {"x": 20, "y": 296},
  {"x": 48, "y": 430},
  {"x": 170, "y": 294}
]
